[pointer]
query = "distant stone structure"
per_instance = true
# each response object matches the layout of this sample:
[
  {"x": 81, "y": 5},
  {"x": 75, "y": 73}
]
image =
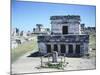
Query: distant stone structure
[
  {"x": 82, "y": 28},
  {"x": 15, "y": 32},
  {"x": 87, "y": 30},
  {"x": 19, "y": 37},
  {"x": 65, "y": 38},
  {"x": 40, "y": 30},
  {"x": 21, "y": 33}
]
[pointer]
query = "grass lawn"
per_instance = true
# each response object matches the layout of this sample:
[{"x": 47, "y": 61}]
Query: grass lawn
[
  {"x": 22, "y": 49},
  {"x": 92, "y": 40},
  {"x": 92, "y": 44}
]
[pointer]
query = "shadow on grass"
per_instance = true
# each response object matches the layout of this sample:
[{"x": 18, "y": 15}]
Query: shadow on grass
[
  {"x": 38, "y": 54},
  {"x": 35, "y": 54}
]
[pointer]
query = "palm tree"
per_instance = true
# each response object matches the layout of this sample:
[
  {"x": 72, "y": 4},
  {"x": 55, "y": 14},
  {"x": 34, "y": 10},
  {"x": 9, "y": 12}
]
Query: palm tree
[{"x": 39, "y": 26}]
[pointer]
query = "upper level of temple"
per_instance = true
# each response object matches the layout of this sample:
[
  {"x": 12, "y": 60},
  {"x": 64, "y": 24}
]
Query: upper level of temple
[{"x": 69, "y": 24}]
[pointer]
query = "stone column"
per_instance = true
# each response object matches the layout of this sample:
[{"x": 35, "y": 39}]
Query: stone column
[
  {"x": 41, "y": 61},
  {"x": 74, "y": 47},
  {"x": 59, "y": 49},
  {"x": 52, "y": 47},
  {"x": 66, "y": 48}
]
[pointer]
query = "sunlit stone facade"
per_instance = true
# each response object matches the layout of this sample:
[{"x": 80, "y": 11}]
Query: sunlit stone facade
[{"x": 65, "y": 38}]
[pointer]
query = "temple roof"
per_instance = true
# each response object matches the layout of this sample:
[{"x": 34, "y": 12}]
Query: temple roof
[{"x": 65, "y": 17}]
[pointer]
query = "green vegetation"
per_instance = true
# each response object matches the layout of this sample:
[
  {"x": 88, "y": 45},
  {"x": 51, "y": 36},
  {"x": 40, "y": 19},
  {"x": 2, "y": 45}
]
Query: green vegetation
[
  {"x": 92, "y": 40},
  {"x": 22, "y": 49},
  {"x": 92, "y": 44},
  {"x": 59, "y": 65}
]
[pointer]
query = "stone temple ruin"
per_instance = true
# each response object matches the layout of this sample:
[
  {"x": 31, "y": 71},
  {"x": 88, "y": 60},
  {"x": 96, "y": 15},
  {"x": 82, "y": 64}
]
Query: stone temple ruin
[
  {"x": 65, "y": 38},
  {"x": 40, "y": 30}
]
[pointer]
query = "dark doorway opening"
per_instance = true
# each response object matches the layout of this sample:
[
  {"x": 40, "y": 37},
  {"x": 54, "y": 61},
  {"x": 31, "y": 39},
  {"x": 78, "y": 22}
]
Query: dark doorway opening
[
  {"x": 48, "y": 48},
  {"x": 77, "y": 50},
  {"x": 70, "y": 49},
  {"x": 65, "y": 29},
  {"x": 63, "y": 48},
  {"x": 55, "y": 47}
]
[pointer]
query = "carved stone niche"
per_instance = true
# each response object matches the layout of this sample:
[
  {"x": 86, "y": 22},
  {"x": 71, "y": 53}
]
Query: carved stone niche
[{"x": 54, "y": 56}]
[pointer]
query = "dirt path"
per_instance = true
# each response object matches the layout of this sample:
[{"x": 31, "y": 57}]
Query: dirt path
[{"x": 28, "y": 64}]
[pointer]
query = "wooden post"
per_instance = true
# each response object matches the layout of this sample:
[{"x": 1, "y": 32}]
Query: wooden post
[
  {"x": 64, "y": 58},
  {"x": 61, "y": 58},
  {"x": 48, "y": 59},
  {"x": 41, "y": 61}
]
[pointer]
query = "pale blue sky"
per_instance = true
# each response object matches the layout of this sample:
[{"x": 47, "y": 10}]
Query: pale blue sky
[{"x": 25, "y": 15}]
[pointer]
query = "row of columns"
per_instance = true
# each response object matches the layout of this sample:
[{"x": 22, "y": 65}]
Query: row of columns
[{"x": 66, "y": 47}]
